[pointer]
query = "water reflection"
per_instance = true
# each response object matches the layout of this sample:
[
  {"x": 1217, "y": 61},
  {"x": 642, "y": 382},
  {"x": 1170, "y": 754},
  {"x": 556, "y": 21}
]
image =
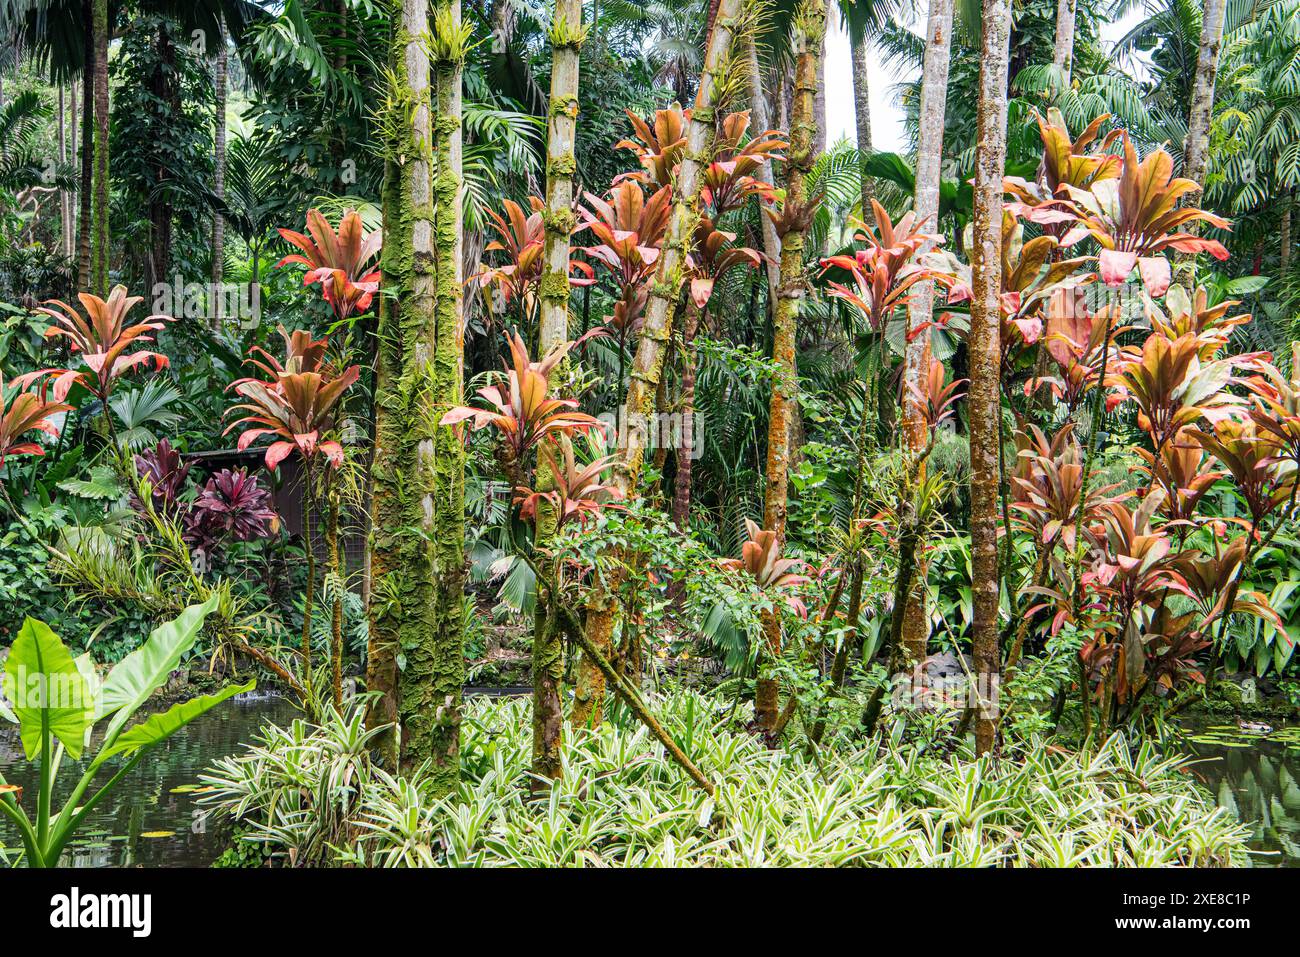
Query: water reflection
[
  {"x": 1254, "y": 775},
  {"x": 146, "y": 821}
]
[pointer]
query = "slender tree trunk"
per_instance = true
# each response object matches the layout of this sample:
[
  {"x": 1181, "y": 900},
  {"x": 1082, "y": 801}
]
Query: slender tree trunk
[
  {"x": 985, "y": 351},
  {"x": 762, "y": 121},
  {"x": 1063, "y": 52},
  {"x": 682, "y": 482},
  {"x": 86, "y": 193},
  {"x": 336, "y": 616},
  {"x": 74, "y": 128},
  {"x": 219, "y": 159},
  {"x": 309, "y": 593},
  {"x": 567, "y": 35},
  {"x": 862, "y": 112},
  {"x": 436, "y": 675},
  {"x": 99, "y": 248},
  {"x": 65, "y": 208},
  {"x": 916, "y": 358},
  {"x": 418, "y": 368},
  {"x": 1196, "y": 151},
  {"x": 810, "y": 36},
  {"x": 1288, "y": 205},
  {"x": 656, "y": 329},
  {"x": 158, "y": 268}
]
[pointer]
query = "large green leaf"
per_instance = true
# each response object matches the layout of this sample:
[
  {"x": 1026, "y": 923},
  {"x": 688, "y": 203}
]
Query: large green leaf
[
  {"x": 43, "y": 684},
  {"x": 160, "y": 727},
  {"x": 143, "y": 671}
]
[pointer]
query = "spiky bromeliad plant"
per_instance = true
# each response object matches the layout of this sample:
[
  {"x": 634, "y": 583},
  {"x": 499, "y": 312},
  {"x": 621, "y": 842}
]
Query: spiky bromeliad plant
[{"x": 57, "y": 700}]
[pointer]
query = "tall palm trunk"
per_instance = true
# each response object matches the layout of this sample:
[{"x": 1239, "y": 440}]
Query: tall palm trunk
[
  {"x": 219, "y": 159},
  {"x": 682, "y": 482},
  {"x": 65, "y": 208},
  {"x": 158, "y": 267},
  {"x": 1063, "y": 51},
  {"x": 99, "y": 251},
  {"x": 762, "y": 118},
  {"x": 810, "y": 27},
  {"x": 985, "y": 403},
  {"x": 1196, "y": 151},
  {"x": 87, "y": 188},
  {"x": 1288, "y": 205},
  {"x": 916, "y": 359},
  {"x": 74, "y": 129},
  {"x": 656, "y": 329},
  {"x": 431, "y": 697},
  {"x": 567, "y": 35},
  {"x": 862, "y": 113},
  {"x": 415, "y": 542}
]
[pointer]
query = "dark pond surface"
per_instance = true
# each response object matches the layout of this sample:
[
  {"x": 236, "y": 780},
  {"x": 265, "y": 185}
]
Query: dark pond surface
[
  {"x": 144, "y": 821},
  {"x": 1255, "y": 774}
]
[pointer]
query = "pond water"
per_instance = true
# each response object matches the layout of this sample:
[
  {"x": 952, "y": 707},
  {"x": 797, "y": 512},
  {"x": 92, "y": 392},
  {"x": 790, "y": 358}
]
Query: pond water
[
  {"x": 150, "y": 819},
  {"x": 1254, "y": 773},
  {"x": 145, "y": 821}
]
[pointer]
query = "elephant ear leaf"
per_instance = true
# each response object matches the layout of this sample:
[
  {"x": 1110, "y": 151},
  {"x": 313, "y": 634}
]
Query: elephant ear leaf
[
  {"x": 46, "y": 690},
  {"x": 159, "y": 727},
  {"x": 143, "y": 671}
]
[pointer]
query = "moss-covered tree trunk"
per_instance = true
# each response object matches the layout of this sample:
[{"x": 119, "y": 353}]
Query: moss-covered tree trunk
[
  {"x": 219, "y": 157},
  {"x": 656, "y": 329},
  {"x": 431, "y": 693},
  {"x": 810, "y": 31},
  {"x": 985, "y": 403},
  {"x": 566, "y": 37},
  {"x": 862, "y": 115},
  {"x": 916, "y": 359},
  {"x": 99, "y": 251},
  {"x": 416, "y": 542}
]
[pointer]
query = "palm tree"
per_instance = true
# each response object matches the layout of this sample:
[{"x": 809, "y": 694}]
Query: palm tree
[
  {"x": 1202, "y": 103},
  {"x": 566, "y": 35},
  {"x": 656, "y": 328},
  {"x": 864, "y": 20},
  {"x": 97, "y": 279},
  {"x": 1063, "y": 49},
  {"x": 219, "y": 157},
  {"x": 810, "y": 32},
  {"x": 418, "y": 511},
  {"x": 916, "y": 359},
  {"x": 985, "y": 402}
]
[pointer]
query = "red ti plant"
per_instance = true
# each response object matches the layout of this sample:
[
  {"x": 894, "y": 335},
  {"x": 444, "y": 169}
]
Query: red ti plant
[
  {"x": 103, "y": 338},
  {"x": 886, "y": 269},
  {"x": 232, "y": 505},
  {"x": 1275, "y": 407},
  {"x": 1136, "y": 218},
  {"x": 522, "y": 238},
  {"x": 729, "y": 182},
  {"x": 775, "y": 576},
  {"x": 1185, "y": 473},
  {"x": 628, "y": 229},
  {"x": 1031, "y": 276},
  {"x": 298, "y": 409},
  {"x": 1130, "y": 578},
  {"x": 24, "y": 411},
  {"x": 937, "y": 398},
  {"x": 658, "y": 145},
  {"x": 521, "y": 410},
  {"x": 1076, "y": 340},
  {"x": 165, "y": 471},
  {"x": 1065, "y": 162},
  {"x": 343, "y": 261},
  {"x": 1170, "y": 385},
  {"x": 578, "y": 492}
]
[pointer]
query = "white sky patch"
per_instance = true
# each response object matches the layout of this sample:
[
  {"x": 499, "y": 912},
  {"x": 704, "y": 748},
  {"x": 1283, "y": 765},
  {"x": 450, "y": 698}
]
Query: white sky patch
[{"x": 886, "y": 118}]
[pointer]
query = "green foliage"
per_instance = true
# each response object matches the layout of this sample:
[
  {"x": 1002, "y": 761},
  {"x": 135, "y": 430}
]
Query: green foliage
[
  {"x": 311, "y": 792},
  {"x": 56, "y": 700}
]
